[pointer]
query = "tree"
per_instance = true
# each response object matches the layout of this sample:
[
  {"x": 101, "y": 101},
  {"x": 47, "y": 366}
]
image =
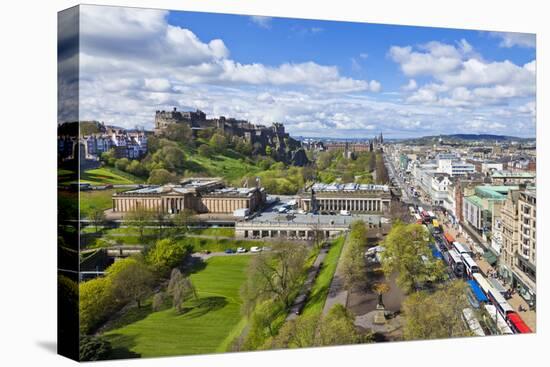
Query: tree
[
  {"x": 406, "y": 252},
  {"x": 337, "y": 328},
  {"x": 136, "y": 168},
  {"x": 161, "y": 219},
  {"x": 181, "y": 289},
  {"x": 93, "y": 348},
  {"x": 122, "y": 164},
  {"x": 183, "y": 219},
  {"x": 275, "y": 275},
  {"x": 97, "y": 217},
  {"x": 109, "y": 157},
  {"x": 161, "y": 176},
  {"x": 353, "y": 263},
  {"x": 180, "y": 133},
  {"x": 381, "y": 170},
  {"x": 297, "y": 333},
  {"x": 140, "y": 217},
  {"x": 132, "y": 281},
  {"x": 166, "y": 254},
  {"x": 436, "y": 315},
  {"x": 218, "y": 142},
  {"x": 205, "y": 150},
  {"x": 380, "y": 289},
  {"x": 158, "y": 301},
  {"x": 95, "y": 302},
  {"x": 262, "y": 325}
]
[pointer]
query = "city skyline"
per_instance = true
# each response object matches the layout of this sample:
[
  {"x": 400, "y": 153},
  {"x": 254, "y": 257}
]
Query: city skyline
[{"x": 319, "y": 78}]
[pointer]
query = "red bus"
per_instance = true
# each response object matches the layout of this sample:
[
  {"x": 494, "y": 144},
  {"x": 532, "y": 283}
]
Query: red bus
[{"x": 517, "y": 324}]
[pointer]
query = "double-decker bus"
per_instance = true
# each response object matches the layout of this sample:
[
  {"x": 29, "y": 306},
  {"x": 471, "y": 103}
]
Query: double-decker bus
[
  {"x": 470, "y": 265},
  {"x": 456, "y": 264}
]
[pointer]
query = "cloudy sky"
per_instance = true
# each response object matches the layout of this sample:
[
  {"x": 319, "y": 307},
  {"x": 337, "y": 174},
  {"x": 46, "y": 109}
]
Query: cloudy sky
[{"x": 320, "y": 78}]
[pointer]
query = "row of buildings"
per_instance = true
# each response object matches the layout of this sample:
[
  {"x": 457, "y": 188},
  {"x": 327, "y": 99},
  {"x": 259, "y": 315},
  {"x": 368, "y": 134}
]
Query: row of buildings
[
  {"x": 210, "y": 195},
  {"x": 491, "y": 192},
  {"x": 130, "y": 144},
  {"x": 200, "y": 195},
  {"x": 125, "y": 143}
]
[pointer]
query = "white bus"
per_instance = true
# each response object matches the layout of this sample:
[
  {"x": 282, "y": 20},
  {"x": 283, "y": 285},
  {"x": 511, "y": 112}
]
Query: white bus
[
  {"x": 482, "y": 282},
  {"x": 472, "y": 322},
  {"x": 497, "y": 320},
  {"x": 462, "y": 249},
  {"x": 470, "y": 265},
  {"x": 499, "y": 301},
  {"x": 455, "y": 261}
]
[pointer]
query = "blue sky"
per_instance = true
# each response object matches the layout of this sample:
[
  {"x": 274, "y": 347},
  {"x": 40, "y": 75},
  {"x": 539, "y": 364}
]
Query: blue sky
[{"x": 320, "y": 78}]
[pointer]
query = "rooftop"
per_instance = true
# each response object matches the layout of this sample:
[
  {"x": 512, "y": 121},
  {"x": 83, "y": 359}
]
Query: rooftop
[
  {"x": 349, "y": 187},
  {"x": 509, "y": 174}
]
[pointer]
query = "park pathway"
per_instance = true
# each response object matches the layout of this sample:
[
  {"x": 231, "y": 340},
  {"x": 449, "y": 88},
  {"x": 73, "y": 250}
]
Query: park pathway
[
  {"x": 301, "y": 299},
  {"x": 337, "y": 294}
]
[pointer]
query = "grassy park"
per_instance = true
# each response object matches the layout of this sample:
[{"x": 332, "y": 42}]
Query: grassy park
[
  {"x": 108, "y": 175},
  {"x": 207, "y": 325}
]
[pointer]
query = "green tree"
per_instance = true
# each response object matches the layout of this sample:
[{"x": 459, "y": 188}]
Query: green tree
[
  {"x": 353, "y": 263},
  {"x": 297, "y": 333},
  {"x": 161, "y": 176},
  {"x": 406, "y": 252},
  {"x": 109, "y": 157},
  {"x": 262, "y": 324},
  {"x": 95, "y": 302},
  {"x": 122, "y": 164},
  {"x": 140, "y": 218},
  {"x": 93, "y": 348},
  {"x": 337, "y": 328},
  {"x": 180, "y": 133},
  {"x": 205, "y": 150},
  {"x": 97, "y": 217},
  {"x": 166, "y": 254},
  {"x": 274, "y": 275},
  {"x": 181, "y": 289},
  {"x": 136, "y": 168},
  {"x": 436, "y": 315},
  {"x": 182, "y": 220},
  {"x": 132, "y": 280},
  {"x": 218, "y": 142},
  {"x": 158, "y": 301}
]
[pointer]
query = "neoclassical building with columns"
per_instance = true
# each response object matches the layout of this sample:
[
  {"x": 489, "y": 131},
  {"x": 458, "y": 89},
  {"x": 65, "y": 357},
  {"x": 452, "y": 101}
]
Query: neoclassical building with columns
[
  {"x": 355, "y": 198},
  {"x": 202, "y": 195}
]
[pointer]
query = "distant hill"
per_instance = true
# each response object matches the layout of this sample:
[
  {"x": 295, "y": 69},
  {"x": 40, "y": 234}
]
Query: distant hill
[{"x": 457, "y": 138}]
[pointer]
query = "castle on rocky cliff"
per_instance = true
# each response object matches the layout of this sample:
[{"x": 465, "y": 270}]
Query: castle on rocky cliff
[{"x": 283, "y": 147}]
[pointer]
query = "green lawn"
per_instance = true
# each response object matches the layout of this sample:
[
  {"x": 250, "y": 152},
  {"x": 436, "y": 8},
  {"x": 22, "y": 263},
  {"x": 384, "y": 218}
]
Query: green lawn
[
  {"x": 319, "y": 292},
  {"x": 222, "y": 232},
  {"x": 232, "y": 166},
  {"x": 100, "y": 199},
  {"x": 108, "y": 175},
  {"x": 208, "y": 325}
]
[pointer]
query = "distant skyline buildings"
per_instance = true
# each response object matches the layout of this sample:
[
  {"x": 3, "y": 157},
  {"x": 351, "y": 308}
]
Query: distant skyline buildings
[{"x": 318, "y": 78}]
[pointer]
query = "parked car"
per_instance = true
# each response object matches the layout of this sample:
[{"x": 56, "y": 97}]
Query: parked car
[
  {"x": 229, "y": 251},
  {"x": 241, "y": 250},
  {"x": 255, "y": 249},
  {"x": 265, "y": 248}
]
